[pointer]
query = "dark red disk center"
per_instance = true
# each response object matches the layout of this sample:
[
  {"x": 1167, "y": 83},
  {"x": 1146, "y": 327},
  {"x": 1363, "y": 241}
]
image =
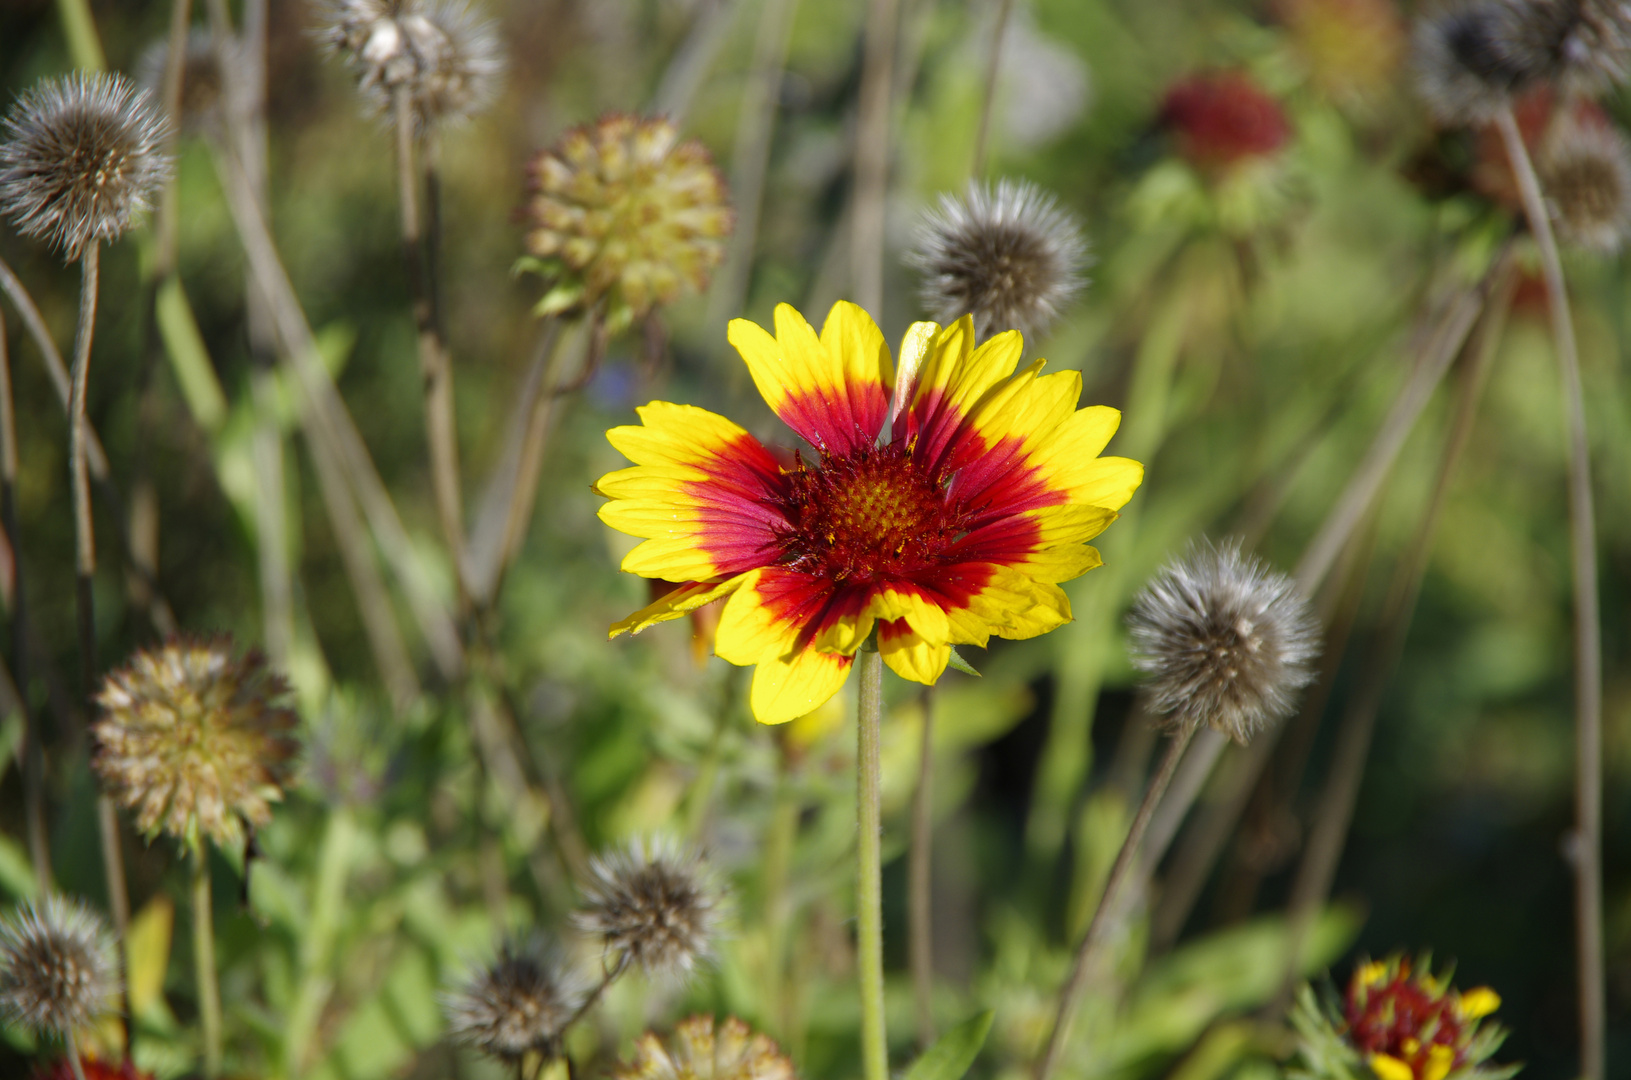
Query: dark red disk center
[{"x": 869, "y": 515}]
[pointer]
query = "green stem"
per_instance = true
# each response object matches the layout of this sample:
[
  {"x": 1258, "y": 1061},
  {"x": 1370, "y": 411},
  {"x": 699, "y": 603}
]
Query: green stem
[
  {"x": 869, "y": 868},
  {"x": 209, "y": 991},
  {"x": 84, "y": 46}
]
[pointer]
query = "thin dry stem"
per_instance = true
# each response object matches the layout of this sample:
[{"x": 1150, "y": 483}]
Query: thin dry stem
[
  {"x": 920, "y": 880},
  {"x": 1340, "y": 792},
  {"x": 435, "y": 369},
  {"x": 872, "y": 153},
  {"x": 1120, "y": 878},
  {"x": 330, "y": 426},
  {"x": 1587, "y": 842},
  {"x": 1005, "y": 10}
]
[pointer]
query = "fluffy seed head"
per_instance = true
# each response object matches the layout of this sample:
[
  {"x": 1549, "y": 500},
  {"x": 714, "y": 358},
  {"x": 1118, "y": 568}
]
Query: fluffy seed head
[
  {"x": 653, "y": 905},
  {"x": 445, "y": 55},
  {"x": 1465, "y": 69},
  {"x": 520, "y": 1002},
  {"x": 698, "y": 1050},
  {"x": 1223, "y": 640},
  {"x": 1585, "y": 167},
  {"x": 1583, "y": 46},
  {"x": 203, "y": 87},
  {"x": 1008, "y": 254},
  {"x": 196, "y": 740},
  {"x": 620, "y": 210},
  {"x": 58, "y": 970},
  {"x": 82, "y": 158}
]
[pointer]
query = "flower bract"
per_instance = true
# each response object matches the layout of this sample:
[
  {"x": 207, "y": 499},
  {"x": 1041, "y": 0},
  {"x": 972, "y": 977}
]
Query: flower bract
[
  {"x": 697, "y": 1049},
  {"x": 943, "y": 516}
]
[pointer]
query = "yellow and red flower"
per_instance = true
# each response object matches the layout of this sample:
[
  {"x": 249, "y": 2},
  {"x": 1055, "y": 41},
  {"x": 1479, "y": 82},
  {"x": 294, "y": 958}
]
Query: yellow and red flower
[
  {"x": 1408, "y": 1025},
  {"x": 943, "y": 514}
]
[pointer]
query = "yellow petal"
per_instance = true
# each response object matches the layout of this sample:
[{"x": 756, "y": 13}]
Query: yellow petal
[
  {"x": 672, "y": 605},
  {"x": 850, "y": 336},
  {"x": 1440, "y": 1059},
  {"x": 910, "y": 656},
  {"x": 1479, "y": 1002},
  {"x": 1387, "y": 1067},
  {"x": 787, "y": 687},
  {"x": 749, "y": 630}
]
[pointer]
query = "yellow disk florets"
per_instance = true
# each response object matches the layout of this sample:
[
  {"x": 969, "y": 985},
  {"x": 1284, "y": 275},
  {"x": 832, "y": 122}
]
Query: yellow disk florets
[
  {"x": 622, "y": 211},
  {"x": 195, "y": 739},
  {"x": 697, "y": 1050}
]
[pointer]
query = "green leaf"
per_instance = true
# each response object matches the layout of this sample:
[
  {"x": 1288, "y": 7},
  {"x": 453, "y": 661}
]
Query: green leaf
[
  {"x": 952, "y": 1053},
  {"x": 957, "y": 663}
]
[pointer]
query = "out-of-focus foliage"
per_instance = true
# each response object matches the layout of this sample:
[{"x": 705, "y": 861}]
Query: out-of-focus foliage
[{"x": 1252, "y": 309}]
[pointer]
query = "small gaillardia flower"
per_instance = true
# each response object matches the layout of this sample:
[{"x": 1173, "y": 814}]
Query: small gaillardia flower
[
  {"x": 94, "y": 1069},
  {"x": 1351, "y": 49},
  {"x": 58, "y": 967},
  {"x": 1585, "y": 167},
  {"x": 941, "y": 518},
  {"x": 82, "y": 159},
  {"x": 653, "y": 905},
  {"x": 1222, "y": 119},
  {"x": 1399, "y": 1022},
  {"x": 1222, "y": 640},
  {"x": 622, "y": 211},
  {"x": 195, "y": 739},
  {"x": 697, "y": 1049},
  {"x": 446, "y": 56},
  {"x": 520, "y": 1003},
  {"x": 1008, "y": 254}
]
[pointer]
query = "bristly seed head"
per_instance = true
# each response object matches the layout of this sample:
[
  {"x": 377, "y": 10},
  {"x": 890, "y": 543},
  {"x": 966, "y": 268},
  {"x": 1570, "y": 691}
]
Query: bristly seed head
[
  {"x": 1582, "y": 46},
  {"x": 1224, "y": 641},
  {"x": 1585, "y": 167},
  {"x": 446, "y": 56},
  {"x": 1008, "y": 254},
  {"x": 198, "y": 741},
  {"x": 82, "y": 158},
  {"x": 58, "y": 968},
  {"x": 653, "y": 905},
  {"x": 1465, "y": 70},
  {"x": 520, "y": 1002}
]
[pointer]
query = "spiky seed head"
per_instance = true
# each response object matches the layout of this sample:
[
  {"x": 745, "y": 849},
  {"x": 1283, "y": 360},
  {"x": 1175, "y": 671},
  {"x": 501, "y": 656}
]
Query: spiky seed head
[
  {"x": 520, "y": 1002},
  {"x": 195, "y": 739},
  {"x": 442, "y": 51},
  {"x": 1582, "y": 46},
  {"x": 1222, "y": 640},
  {"x": 1585, "y": 167},
  {"x": 621, "y": 210},
  {"x": 1008, "y": 254},
  {"x": 698, "y": 1050},
  {"x": 1466, "y": 69},
  {"x": 82, "y": 158},
  {"x": 203, "y": 87},
  {"x": 1224, "y": 118},
  {"x": 655, "y": 905},
  {"x": 58, "y": 969}
]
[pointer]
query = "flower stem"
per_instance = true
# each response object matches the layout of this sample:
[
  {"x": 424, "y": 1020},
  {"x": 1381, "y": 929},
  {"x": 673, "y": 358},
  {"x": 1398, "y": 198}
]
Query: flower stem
[
  {"x": 1120, "y": 876},
  {"x": 436, "y": 372},
  {"x": 1586, "y": 844},
  {"x": 74, "y": 1064},
  {"x": 920, "y": 880},
  {"x": 209, "y": 991},
  {"x": 869, "y": 867}
]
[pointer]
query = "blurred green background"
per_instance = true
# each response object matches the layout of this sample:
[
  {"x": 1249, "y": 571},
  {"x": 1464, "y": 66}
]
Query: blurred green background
[{"x": 1292, "y": 296}]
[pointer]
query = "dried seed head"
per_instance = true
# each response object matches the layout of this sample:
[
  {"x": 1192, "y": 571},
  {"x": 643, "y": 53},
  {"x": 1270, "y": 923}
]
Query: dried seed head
[
  {"x": 520, "y": 1002},
  {"x": 82, "y": 158},
  {"x": 442, "y": 52},
  {"x": 1465, "y": 69},
  {"x": 1583, "y": 46},
  {"x": 621, "y": 210},
  {"x": 697, "y": 1050},
  {"x": 203, "y": 89},
  {"x": 1224, "y": 641},
  {"x": 653, "y": 905},
  {"x": 58, "y": 969},
  {"x": 1585, "y": 166},
  {"x": 1008, "y": 254},
  {"x": 197, "y": 741}
]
